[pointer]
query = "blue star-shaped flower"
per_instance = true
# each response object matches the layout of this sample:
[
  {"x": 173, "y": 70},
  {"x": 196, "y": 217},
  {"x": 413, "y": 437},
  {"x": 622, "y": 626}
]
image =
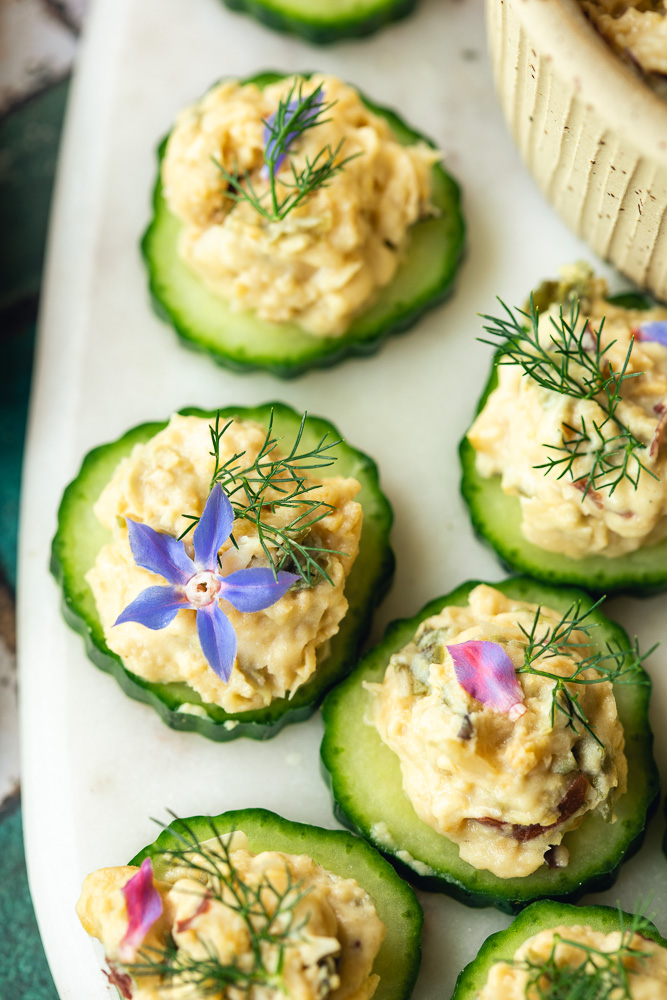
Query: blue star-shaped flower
[
  {"x": 198, "y": 585},
  {"x": 655, "y": 330}
]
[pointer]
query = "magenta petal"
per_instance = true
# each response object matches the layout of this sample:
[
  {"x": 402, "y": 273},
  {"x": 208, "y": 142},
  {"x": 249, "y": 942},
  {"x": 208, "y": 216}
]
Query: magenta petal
[
  {"x": 159, "y": 553},
  {"x": 144, "y": 906},
  {"x": 486, "y": 672},
  {"x": 214, "y": 528},
  {"x": 218, "y": 640},
  {"x": 155, "y": 607},
  {"x": 655, "y": 330},
  {"x": 255, "y": 589}
]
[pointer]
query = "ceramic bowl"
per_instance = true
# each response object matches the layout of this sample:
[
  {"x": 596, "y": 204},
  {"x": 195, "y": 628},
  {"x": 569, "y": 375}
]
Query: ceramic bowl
[{"x": 591, "y": 131}]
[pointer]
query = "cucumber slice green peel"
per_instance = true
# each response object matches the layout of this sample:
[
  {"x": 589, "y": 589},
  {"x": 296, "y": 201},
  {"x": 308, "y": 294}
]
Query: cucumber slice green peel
[
  {"x": 496, "y": 518},
  {"x": 325, "y": 21},
  {"x": 398, "y": 960},
  {"x": 80, "y": 537},
  {"x": 365, "y": 779},
  {"x": 539, "y": 917},
  {"x": 242, "y": 342}
]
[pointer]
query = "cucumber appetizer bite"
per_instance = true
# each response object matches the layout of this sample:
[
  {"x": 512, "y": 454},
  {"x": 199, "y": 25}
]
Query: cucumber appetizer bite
[
  {"x": 250, "y": 904},
  {"x": 296, "y": 223},
  {"x": 224, "y": 566},
  {"x": 553, "y": 951},
  {"x": 565, "y": 467},
  {"x": 325, "y": 21},
  {"x": 497, "y": 745}
]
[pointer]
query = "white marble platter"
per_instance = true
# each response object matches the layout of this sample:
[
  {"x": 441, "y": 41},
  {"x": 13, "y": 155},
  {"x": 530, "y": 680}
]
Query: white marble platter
[{"x": 97, "y": 765}]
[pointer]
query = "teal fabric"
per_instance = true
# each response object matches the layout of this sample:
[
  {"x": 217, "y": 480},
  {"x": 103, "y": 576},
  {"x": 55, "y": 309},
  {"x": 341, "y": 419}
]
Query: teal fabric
[
  {"x": 28, "y": 149},
  {"x": 24, "y": 974},
  {"x": 17, "y": 348},
  {"x": 29, "y": 139}
]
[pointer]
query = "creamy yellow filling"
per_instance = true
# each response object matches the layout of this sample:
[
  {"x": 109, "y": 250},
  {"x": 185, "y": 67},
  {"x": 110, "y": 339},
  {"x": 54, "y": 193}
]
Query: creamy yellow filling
[
  {"x": 472, "y": 773},
  {"x": 636, "y": 29},
  {"x": 328, "y": 954},
  {"x": 279, "y": 648},
  {"x": 647, "y": 972},
  {"x": 325, "y": 261},
  {"x": 523, "y": 424}
]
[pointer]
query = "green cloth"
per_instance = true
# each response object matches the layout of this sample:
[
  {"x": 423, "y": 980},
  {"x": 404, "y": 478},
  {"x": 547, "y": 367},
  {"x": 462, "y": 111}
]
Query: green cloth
[
  {"x": 18, "y": 341},
  {"x": 29, "y": 139},
  {"x": 24, "y": 974}
]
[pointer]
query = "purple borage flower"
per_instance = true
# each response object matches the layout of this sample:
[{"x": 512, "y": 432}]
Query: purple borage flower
[
  {"x": 655, "y": 330},
  {"x": 486, "y": 672},
  {"x": 198, "y": 585},
  {"x": 300, "y": 114},
  {"x": 144, "y": 906}
]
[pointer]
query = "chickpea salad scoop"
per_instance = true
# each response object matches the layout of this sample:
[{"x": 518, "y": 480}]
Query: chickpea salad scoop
[
  {"x": 496, "y": 746},
  {"x": 296, "y": 222},
  {"x": 223, "y": 566},
  {"x": 250, "y": 904},
  {"x": 564, "y": 469}
]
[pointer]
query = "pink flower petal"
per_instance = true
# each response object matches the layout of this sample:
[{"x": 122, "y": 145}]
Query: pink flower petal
[
  {"x": 144, "y": 906},
  {"x": 485, "y": 671}
]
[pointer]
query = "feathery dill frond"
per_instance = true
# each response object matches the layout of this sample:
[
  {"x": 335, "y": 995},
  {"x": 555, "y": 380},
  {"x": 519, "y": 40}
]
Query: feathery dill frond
[
  {"x": 614, "y": 663},
  {"x": 267, "y": 911},
  {"x": 272, "y": 483},
  {"x": 575, "y": 364}
]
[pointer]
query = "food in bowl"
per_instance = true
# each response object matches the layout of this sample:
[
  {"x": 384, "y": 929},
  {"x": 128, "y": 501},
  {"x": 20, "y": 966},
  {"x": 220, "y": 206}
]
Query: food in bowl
[
  {"x": 590, "y": 130},
  {"x": 637, "y": 31}
]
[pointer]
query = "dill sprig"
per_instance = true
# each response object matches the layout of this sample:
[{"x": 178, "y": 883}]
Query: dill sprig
[
  {"x": 575, "y": 364},
  {"x": 601, "y": 975},
  {"x": 614, "y": 663},
  {"x": 273, "y": 483},
  {"x": 295, "y": 115},
  {"x": 268, "y": 912}
]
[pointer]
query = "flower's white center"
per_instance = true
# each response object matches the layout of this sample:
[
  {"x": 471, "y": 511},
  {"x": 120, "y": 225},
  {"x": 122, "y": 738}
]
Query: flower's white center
[{"x": 202, "y": 589}]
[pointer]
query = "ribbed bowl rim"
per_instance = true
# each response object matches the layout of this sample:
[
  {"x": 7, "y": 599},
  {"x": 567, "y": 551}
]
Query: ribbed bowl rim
[{"x": 560, "y": 32}]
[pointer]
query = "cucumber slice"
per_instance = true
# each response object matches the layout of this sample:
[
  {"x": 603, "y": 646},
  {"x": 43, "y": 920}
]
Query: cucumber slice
[
  {"x": 496, "y": 518},
  {"x": 540, "y": 917},
  {"x": 398, "y": 960},
  {"x": 80, "y": 537},
  {"x": 325, "y": 21},
  {"x": 365, "y": 779},
  {"x": 244, "y": 343}
]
